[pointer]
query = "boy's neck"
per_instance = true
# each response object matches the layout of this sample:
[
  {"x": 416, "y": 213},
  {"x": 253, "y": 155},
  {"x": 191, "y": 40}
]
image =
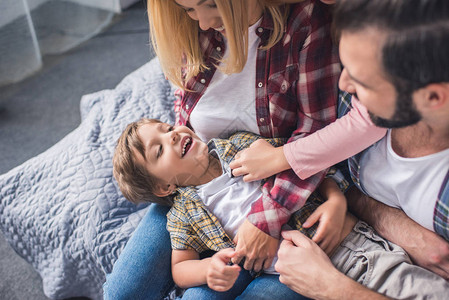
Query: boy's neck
[{"x": 213, "y": 171}]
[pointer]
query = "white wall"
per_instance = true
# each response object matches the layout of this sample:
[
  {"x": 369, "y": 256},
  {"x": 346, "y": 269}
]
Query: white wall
[
  {"x": 11, "y": 9},
  {"x": 112, "y": 5}
]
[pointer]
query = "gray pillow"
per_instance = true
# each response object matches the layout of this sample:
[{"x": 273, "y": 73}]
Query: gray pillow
[{"x": 62, "y": 210}]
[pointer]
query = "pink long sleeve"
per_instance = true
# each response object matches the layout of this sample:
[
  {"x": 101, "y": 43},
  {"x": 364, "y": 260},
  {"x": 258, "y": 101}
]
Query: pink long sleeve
[{"x": 339, "y": 140}]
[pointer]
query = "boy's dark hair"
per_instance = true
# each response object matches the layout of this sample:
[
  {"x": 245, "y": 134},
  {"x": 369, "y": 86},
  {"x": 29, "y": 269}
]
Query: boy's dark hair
[
  {"x": 416, "y": 48},
  {"x": 135, "y": 182}
]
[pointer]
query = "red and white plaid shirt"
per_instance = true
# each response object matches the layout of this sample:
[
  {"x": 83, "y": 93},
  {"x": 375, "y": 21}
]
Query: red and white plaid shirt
[{"x": 296, "y": 94}]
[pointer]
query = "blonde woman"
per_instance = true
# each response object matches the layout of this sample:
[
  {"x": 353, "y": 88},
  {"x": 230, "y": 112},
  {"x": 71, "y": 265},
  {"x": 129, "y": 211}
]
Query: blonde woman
[{"x": 250, "y": 65}]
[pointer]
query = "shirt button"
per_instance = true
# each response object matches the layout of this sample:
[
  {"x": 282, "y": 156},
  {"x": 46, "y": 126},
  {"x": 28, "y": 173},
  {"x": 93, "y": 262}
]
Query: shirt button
[
  {"x": 260, "y": 29},
  {"x": 218, "y": 49},
  {"x": 203, "y": 80},
  {"x": 187, "y": 106},
  {"x": 283, "y": 87},
  {"x": 260, "y": 84},
  {"x": 262, "y": 120}
]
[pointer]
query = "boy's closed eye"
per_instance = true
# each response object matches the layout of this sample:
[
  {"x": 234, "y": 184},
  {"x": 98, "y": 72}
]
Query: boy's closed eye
[{"x": 161, "y": 149}]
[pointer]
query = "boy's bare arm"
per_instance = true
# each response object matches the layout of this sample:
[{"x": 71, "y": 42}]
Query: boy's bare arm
[
  {"x": 189, "y": 271},
  {"x": 331, "y": 215},
  {"x": 187, "y": 268}
]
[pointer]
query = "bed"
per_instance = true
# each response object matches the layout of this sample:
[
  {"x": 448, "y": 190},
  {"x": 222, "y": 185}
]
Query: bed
[{"x": 62, "y": 211}]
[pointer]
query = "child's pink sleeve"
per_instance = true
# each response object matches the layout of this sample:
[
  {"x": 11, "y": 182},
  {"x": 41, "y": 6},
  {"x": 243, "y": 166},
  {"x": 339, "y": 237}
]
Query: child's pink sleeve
[{"x": 339, "y": 140}]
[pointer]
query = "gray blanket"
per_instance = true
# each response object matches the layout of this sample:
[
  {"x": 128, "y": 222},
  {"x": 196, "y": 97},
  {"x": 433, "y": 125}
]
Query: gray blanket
[{"x": 62, "y": 210}]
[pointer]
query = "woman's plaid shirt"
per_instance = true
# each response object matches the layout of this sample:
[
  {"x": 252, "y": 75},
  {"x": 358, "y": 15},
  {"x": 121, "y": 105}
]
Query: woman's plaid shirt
[{"x": 296, "y": 94}]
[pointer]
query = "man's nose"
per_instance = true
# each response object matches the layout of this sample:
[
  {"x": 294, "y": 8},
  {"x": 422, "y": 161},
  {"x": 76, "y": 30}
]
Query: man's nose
[{"x": 345, "y": 82}]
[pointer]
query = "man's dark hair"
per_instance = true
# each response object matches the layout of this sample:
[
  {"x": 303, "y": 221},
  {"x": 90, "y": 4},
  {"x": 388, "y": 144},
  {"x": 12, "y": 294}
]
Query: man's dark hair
[{"x": 416, "y": 48}]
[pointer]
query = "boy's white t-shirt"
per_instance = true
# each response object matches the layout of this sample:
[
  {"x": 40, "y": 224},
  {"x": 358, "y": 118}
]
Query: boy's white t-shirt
[
  {"x": 413, "y": 186},
  {"x": 234, "y": 93},
  {"x": 229, "y": 199}
]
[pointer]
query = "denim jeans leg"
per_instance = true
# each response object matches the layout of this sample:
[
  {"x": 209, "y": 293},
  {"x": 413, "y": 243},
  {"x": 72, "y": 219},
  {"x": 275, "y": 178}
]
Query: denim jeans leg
[
  {"x": 143, "y": 269},
  {"x": 268, "y": 286}
]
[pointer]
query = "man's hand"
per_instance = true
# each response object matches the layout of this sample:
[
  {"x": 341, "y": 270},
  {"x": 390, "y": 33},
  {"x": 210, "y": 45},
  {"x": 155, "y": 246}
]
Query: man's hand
[
  {"x": 261, "y": 160},
  {"x": 426, "y": 248},
  {"x": 307, "y": 270},
  {"x": 257, "y": 247},
  {"x": 304, "y": 267},
  {"x": 220, "y": 276}
]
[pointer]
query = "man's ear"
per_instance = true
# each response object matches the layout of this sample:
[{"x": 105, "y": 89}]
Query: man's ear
[
  {"x": 437, "y": 95},
  {"x": 164, "y": 189}
]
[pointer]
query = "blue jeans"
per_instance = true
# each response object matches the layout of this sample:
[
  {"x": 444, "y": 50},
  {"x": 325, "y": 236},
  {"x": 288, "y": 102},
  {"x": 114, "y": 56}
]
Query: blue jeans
[
  {"x": 266, "y": 286},
  {"x": 143, "y": 270}
]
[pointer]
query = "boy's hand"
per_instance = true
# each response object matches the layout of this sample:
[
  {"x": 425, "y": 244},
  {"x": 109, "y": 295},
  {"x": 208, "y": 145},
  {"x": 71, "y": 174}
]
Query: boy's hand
[
  {"x": 220, "y": 276},
  {"x": 261, "y": 160},
  {"x": 331, "y": 215}
]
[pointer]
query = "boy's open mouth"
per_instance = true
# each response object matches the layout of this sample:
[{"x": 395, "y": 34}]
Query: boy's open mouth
[{"x": 186, "y": 144}]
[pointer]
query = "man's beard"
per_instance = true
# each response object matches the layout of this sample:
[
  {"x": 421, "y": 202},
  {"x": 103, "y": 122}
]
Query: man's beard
[{"x": 405, "y": 114}]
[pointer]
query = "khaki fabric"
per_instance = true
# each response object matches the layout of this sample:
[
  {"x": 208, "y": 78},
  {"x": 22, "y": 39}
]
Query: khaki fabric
[{"x": 385, "y": 267}]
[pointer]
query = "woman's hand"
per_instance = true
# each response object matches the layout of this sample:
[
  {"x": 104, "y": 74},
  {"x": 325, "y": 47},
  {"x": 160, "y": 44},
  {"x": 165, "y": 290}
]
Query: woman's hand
[
  {"x": 261, "y": 160},
  {"x": 220, "y": 276},
  {"x": 257, "y": 247}
]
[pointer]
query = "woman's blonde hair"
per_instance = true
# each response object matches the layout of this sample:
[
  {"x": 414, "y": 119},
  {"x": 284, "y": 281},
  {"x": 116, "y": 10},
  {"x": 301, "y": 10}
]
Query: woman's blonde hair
[{"x": 174, "y": 36}]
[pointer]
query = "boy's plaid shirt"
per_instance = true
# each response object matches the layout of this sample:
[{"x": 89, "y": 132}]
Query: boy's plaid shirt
[
  {"x": 296, "y": 94},
  {"x": 192, "y": 226}
]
